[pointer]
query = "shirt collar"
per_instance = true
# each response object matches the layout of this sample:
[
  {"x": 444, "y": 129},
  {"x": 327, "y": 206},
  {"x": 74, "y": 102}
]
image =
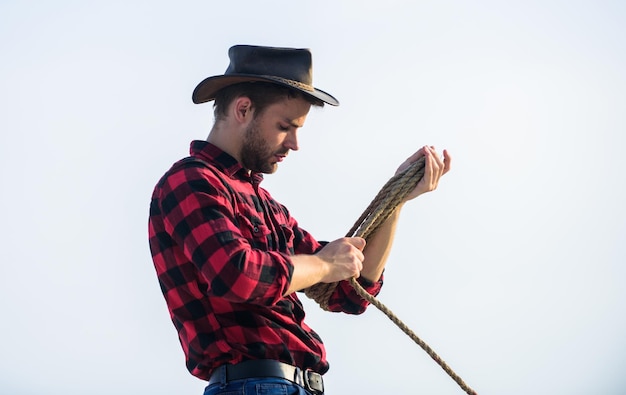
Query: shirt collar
[{"x": 222, "y": 160}]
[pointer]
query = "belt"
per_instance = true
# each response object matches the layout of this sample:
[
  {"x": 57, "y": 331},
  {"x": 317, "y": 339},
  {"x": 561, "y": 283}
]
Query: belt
[{"x": 310, "y": 380}]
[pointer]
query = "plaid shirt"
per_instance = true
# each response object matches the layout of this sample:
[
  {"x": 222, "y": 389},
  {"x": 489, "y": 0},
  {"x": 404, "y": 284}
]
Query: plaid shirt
[{"x": 221, "y": 246}]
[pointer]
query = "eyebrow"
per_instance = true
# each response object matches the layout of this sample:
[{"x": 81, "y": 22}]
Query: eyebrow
[{"x": 292, "y": 123}]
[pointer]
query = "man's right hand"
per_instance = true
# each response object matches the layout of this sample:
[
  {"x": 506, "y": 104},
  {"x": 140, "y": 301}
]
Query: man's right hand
[
  {"x": 343, "y": 259},
  {"x": 339, "y": 260}
]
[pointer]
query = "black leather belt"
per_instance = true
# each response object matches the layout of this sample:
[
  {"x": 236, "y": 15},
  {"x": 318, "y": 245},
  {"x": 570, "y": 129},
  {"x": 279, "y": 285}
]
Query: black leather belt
[{"x": 308, "y": 379}]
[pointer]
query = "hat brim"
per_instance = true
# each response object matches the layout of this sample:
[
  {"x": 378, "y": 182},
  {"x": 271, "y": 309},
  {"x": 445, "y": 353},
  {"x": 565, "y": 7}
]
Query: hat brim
[{"x": 206, "y": 90}]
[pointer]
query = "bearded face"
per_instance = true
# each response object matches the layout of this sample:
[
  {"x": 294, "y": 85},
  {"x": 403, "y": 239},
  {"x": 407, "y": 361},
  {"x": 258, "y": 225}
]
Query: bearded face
[
  {"x": 271, "y": 134},
  {"x": 256, "y": 153}
]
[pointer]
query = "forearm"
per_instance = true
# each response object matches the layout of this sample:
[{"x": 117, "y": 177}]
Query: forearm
[
  {"x": 378, "y": 248},
  {"x": 308, "y": 270}
]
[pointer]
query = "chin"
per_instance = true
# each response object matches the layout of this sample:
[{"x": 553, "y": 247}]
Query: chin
[{"x": 272, "y": 167}]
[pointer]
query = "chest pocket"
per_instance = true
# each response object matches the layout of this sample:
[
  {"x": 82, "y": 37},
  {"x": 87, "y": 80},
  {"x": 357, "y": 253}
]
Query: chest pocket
[{"x": 255, "y": 231}]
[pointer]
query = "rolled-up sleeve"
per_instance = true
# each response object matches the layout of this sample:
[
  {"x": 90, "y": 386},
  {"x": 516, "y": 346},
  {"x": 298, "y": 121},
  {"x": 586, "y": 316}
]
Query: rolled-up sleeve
[{"x": 345, "y": 299}]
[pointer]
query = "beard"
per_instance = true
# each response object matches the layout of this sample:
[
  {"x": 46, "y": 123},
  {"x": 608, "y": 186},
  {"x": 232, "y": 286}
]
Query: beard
[{"x": 256, "y": 154}]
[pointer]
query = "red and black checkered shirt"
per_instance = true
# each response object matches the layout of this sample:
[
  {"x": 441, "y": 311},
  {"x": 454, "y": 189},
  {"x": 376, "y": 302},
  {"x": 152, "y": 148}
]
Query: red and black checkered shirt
[{"x": 221, "y": 246}]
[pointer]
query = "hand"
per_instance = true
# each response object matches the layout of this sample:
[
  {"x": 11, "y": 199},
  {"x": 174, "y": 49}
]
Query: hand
[
  {"x": 434, "y": 168},
  {"x": 343, "y": 257}
]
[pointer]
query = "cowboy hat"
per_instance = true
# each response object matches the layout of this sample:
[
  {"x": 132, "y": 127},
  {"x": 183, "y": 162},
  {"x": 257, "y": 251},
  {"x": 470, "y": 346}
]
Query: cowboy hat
[{"x": 289, "y": 67}]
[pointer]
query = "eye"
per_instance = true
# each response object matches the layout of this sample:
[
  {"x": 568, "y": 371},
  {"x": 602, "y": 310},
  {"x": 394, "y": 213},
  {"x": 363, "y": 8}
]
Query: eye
[{"x": 283, "y": 128}]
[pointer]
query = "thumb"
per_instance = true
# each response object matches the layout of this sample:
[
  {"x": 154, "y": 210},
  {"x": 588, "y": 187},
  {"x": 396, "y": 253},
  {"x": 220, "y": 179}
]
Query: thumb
[{"x": 358, "y": 242}]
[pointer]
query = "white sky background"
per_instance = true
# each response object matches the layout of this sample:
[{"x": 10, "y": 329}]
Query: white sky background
[{"x": 512, "y": 270}]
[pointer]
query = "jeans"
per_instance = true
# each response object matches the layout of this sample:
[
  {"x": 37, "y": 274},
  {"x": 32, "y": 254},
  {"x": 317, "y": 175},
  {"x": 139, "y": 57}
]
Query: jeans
[{"x": 256, "y": 386}]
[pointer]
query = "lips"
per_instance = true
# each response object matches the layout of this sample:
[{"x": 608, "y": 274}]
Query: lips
[{"x": 280, "y": 156}]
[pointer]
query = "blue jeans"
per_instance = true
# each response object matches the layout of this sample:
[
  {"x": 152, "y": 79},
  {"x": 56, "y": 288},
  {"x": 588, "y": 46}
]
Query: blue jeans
[{"x": 257, "y": 386}]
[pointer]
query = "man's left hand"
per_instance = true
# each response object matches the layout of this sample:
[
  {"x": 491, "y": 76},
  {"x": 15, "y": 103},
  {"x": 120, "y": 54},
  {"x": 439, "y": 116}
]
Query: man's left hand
[{"x": 434, "y": 168}]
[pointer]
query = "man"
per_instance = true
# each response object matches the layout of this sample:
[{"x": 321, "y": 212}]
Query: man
[{"x": 230, "y": 259}]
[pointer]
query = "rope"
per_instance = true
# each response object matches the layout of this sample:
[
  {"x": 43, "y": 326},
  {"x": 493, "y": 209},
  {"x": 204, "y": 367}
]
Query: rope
[{"x": 383, "y": 205}]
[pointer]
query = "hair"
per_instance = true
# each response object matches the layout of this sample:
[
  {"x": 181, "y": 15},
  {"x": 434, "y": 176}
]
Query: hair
[{"x": 261, "y": 94}]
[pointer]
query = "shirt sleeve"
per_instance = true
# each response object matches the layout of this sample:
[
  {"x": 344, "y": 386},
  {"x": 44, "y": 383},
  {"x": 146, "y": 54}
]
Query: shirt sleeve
[
  {"x": 345, "y": 299},
  {"x": 199, "y": 215}
]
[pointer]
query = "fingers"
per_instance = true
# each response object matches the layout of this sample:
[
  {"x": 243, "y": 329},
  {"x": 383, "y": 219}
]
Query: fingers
[
  {"x": 447, "y": 160},
  {"x": 426, "y": 151},
  {"x": 433, "y": 168},
  {"x": 358, "y": 242}
]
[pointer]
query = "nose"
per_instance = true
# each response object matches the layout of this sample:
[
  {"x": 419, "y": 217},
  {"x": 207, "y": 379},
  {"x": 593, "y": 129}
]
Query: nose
[{"x": 291, "y": 140}]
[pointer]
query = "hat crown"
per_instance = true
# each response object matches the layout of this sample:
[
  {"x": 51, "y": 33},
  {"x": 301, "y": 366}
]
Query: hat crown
[{"x": 288, "y": 63}]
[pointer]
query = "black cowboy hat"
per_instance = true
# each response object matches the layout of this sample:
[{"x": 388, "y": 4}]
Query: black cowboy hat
[{"x": 289, "y": 67}]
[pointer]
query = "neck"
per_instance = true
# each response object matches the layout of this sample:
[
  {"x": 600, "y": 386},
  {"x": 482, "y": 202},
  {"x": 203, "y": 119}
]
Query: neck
[{"x": 226, "y": 139}]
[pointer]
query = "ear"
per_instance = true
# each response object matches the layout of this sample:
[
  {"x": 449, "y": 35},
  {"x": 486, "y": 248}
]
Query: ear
[{"x": 242, "y": 109}]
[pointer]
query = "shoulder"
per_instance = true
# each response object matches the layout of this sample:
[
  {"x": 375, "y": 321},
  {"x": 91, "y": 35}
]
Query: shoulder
[{"x": 190, "y": 175}]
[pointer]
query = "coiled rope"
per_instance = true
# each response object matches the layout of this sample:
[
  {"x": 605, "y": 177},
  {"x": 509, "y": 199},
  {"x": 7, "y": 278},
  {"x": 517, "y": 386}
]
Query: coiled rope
[{"x": 383, "y": 205}]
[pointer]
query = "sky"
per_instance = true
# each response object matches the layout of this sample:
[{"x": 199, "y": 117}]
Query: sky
[{"x": 512, "y": 270}]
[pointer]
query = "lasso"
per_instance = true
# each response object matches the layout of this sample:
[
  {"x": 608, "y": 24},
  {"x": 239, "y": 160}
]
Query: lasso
[{"x": 383, "y": 205}]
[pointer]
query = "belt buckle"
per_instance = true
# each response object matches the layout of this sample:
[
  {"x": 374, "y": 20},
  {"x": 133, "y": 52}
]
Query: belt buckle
[{"x": 313, "y": 382}]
